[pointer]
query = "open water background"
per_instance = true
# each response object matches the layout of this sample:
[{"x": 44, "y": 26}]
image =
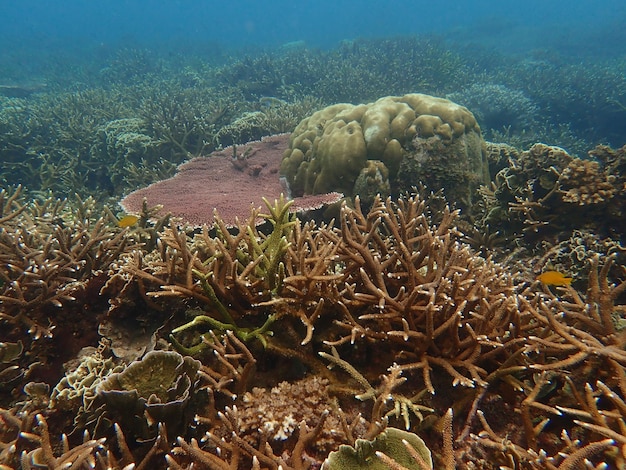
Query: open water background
[{"x": 576, "y": 27}]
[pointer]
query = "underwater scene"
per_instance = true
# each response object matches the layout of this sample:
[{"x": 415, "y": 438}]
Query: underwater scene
[{"x": 312, "y": 235}]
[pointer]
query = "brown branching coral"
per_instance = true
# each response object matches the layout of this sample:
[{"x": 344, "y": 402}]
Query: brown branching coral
[
  {"x": 244, "y": 281},
  {"x": 387, "y": 275},
  {"x": 404, "y": 307},
  {"x": 233, "y": 451},
  {"x": 46, "y": 262},
  {"x": 575, "y": 340},
  {"x": 415, "y": 287},
  {"x": 576, "y": 330},
  {"x": 43, "y": 454},
  {"x": 10, "y": 206},
  {"x": 608, "y": 421},
  {"x": 228, "y": 372},
  {"x": 572, "y": 455},
  {"x": 55, "y": 255},
  {"x": 34, "y": 446},
  {"x": 387, "y": 402}
]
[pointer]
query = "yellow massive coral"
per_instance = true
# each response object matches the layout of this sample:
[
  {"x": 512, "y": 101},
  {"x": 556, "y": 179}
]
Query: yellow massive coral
[{"x": 413, "y": 138}]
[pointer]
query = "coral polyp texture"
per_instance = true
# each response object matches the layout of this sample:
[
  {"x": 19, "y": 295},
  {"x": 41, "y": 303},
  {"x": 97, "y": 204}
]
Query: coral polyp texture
[{"x": 393, "y": 144}]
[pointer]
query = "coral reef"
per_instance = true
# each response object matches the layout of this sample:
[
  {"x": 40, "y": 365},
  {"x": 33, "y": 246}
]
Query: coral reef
[
  {"x": 497, "y": 106},
  {"x": 396, "y": 297},
  {"x": 277, "y": 342},
  {"x": 111, "y": 141},
  {"x": 395, "y": 143},
  {"x": 576, "y": 350},
  {"x": 47, "y": 264},
  {"x": 545, "y": 191},
  {"x": 190, "y": 104},
  {"x": 276, "y": 345},
  {"x": 555, "y": 87}
]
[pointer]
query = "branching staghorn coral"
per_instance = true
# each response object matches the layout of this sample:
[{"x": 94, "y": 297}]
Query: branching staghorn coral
[
  {"x": 390, "y": 283},
  {"x": 10, "y": 206},
  {"x": 234, "y": 452},
  {"x": 607, "y": 421},
  {"x": 572, "y": 455},
  {"x": 576, "y": 340},
  {"x": 575, "y": 330},
  {"x": 382, "y": 395},
  {"x": 49, "y": 249},
  {"x": 243, "y": 281},
  {"x": 33, "y": 446},
  {"x": 415, "y": 287},
  {"x": 229, "y": 371}
]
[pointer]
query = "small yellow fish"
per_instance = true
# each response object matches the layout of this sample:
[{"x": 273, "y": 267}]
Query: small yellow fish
[
  {"x": 554, "y": 278},
  {"x": 127, "y": 221}
]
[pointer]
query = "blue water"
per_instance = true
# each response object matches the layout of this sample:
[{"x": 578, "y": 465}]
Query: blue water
[
  {"x": 564, "y": 60},
  {"x": 514, "y": 24}
]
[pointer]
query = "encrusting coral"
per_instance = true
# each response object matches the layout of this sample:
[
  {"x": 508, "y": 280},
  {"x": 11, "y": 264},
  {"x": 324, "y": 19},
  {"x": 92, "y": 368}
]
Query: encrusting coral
[
  {"x": 392, "y": 447},
  {"x": 155, "y": 389}
]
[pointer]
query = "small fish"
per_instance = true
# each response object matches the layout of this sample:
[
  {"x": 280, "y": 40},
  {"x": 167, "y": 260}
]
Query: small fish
[
  {"x": 554, "y": 278},
  {"x": 127, "y": 221}
]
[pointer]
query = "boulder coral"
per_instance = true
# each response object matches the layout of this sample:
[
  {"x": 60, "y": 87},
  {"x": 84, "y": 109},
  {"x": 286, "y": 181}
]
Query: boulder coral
[{"x": 408, "y": 140}]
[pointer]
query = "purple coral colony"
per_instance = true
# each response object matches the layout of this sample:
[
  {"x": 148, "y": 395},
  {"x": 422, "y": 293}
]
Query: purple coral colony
[{"x": 296, "y": 282}]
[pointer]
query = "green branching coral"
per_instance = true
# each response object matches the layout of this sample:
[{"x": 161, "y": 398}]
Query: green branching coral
[
  {"x": 244, "y": 334},
  {"x": 263, "y": 259},
  {"x": 271, "y": 250}
]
